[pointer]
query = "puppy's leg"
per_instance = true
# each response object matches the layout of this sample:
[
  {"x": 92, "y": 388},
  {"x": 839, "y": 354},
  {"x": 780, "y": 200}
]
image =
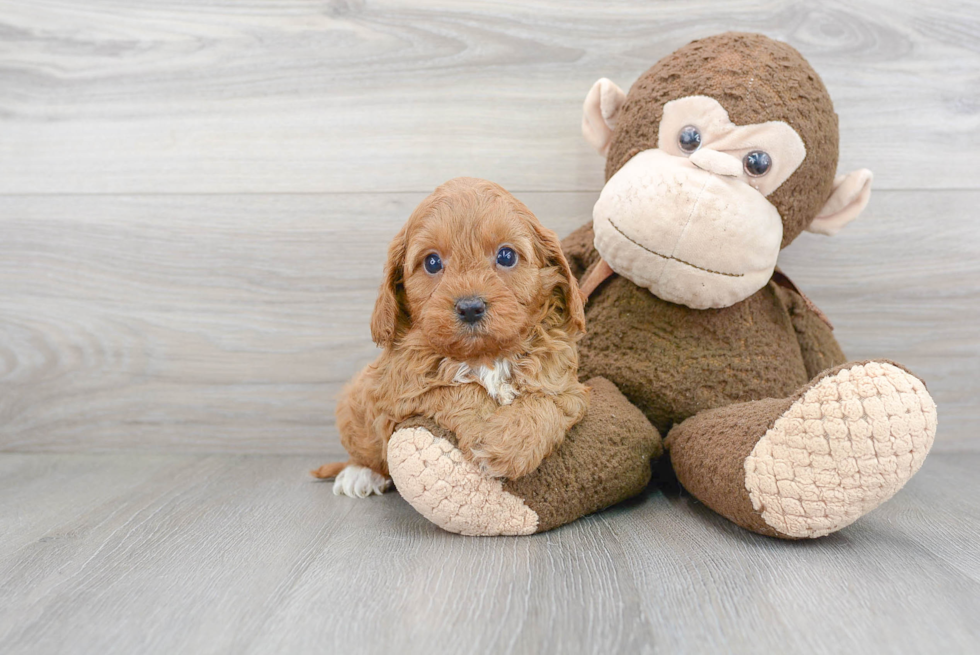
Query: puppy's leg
[
  {"x": 366, "y": 472},
  {"x": 358, "y": 481},
  {"x": 517, "y": 437},
  {"x": 353, "y": 479}
]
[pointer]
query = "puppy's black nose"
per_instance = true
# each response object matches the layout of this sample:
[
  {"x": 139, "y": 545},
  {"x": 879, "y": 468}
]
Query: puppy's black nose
[{"x": 471, "y": 310}]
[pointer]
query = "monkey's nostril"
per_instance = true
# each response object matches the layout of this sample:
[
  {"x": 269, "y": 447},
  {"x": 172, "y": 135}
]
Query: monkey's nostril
[{"x": 471, "y": 310}]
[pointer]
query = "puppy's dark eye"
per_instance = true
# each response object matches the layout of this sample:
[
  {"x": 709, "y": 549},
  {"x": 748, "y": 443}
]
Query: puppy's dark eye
[
  {"x": 506, "y": 257},
  {"x": 432, "y": 263},
  {"x": 757, "y": 163},
  {"x": 689, "y": 139}
]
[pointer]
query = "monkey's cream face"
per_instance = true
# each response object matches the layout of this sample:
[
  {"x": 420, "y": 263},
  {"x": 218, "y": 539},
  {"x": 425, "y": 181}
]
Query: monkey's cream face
[{"x": 689, "y": 220}]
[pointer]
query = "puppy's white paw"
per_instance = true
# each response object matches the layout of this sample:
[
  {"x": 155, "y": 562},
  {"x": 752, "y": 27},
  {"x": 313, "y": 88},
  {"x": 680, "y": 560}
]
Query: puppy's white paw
[{"x": 360, "y": 482}]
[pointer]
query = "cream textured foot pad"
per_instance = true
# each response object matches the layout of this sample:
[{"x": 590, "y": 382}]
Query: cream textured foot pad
[
  {"x": 434, "y": 477},
  {"x": 846, "y": 446}
]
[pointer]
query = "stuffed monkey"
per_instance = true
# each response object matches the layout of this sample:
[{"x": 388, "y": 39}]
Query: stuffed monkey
[{"x": 720, "y": 156}]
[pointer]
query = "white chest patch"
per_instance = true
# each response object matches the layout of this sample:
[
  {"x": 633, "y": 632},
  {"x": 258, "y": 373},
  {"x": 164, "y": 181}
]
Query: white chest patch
[{"x": 495, "y": 379}]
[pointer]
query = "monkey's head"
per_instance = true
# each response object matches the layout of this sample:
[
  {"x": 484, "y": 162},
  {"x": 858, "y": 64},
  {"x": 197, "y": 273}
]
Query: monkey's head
[{"x": 721, "y": 154}]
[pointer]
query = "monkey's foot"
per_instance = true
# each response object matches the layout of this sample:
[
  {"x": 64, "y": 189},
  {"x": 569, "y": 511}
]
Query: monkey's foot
[
  {"x": 847, "y": 445},
  {"x": 603, "y": 460},
  {"x": 434, "y": 477},
  {"x": 836, "y": 450}
]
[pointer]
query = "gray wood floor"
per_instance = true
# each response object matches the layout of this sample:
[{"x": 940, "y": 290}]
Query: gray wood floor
[
  {"x": 243, "y": 554},
  {"x": 194, "y": 204}
]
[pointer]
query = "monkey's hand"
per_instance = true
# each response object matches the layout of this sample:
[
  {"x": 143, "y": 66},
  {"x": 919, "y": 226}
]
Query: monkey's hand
[{"x": 579, "y": 250}]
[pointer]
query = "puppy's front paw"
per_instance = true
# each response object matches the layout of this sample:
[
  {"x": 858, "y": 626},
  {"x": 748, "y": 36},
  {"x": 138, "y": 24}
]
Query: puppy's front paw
[
  {"x": 511, "y": 465},
  {"x": 489, "y": 466},
  {"x": 360, "y": 482}
]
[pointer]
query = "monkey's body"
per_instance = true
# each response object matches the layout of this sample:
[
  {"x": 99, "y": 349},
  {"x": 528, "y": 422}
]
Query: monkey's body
[
  {"x": 760, "y": 384},
  {"x": 672, "y": 361},
  {"x": 676, "y": 364}
]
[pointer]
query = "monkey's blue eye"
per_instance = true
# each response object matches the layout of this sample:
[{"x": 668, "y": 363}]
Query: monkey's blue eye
[
  {"x": 757, "y": 163},
  {"x": 506, "y": 257},
  {"x": 432, "y": 263},
  {"x": 689, "y": 139}
]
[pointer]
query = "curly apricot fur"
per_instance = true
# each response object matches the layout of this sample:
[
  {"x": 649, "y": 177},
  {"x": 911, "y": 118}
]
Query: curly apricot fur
[{"x": 533, "y": 318}]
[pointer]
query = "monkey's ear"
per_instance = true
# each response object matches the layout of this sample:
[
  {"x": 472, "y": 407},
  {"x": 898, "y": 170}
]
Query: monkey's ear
[
  {"x": 850, "y": 196},
  {"x": 389, "y": 310},
  {"x": 600, "y": 112}
]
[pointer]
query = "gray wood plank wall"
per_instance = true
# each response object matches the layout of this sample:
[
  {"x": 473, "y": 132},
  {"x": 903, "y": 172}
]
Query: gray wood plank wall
[{"x": 195, "y": 198}]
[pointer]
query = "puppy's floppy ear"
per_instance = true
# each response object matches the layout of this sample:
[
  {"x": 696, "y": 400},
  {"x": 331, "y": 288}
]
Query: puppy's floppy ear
[
  {"x": 567, "y": 285},
  {"x": 390, "y": 314}
]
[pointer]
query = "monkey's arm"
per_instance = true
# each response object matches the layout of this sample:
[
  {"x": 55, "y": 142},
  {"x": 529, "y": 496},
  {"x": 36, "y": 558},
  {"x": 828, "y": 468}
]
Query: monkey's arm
[
  {"x": 579, "y": 250},
  {"x": 816, "y": 338}
]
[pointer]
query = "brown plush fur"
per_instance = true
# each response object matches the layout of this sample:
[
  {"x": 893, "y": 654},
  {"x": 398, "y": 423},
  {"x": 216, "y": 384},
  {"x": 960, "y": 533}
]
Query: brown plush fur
[
  {"x": 672, "y": 361},
  {"x": 534, "y": 316},
  {"x": 708, "y": 451}
]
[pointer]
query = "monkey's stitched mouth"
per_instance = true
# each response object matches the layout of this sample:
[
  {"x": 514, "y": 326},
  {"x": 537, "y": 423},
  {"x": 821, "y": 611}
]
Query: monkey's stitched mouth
[{"x": 671, "y": 257}]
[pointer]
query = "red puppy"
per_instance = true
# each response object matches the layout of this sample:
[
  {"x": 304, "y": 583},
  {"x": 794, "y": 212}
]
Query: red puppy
[{"x": 478, "y": 316}]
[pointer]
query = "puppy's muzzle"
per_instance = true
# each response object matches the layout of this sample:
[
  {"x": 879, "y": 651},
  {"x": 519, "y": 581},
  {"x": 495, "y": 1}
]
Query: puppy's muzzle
[{"x": 471, "y": 310}]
